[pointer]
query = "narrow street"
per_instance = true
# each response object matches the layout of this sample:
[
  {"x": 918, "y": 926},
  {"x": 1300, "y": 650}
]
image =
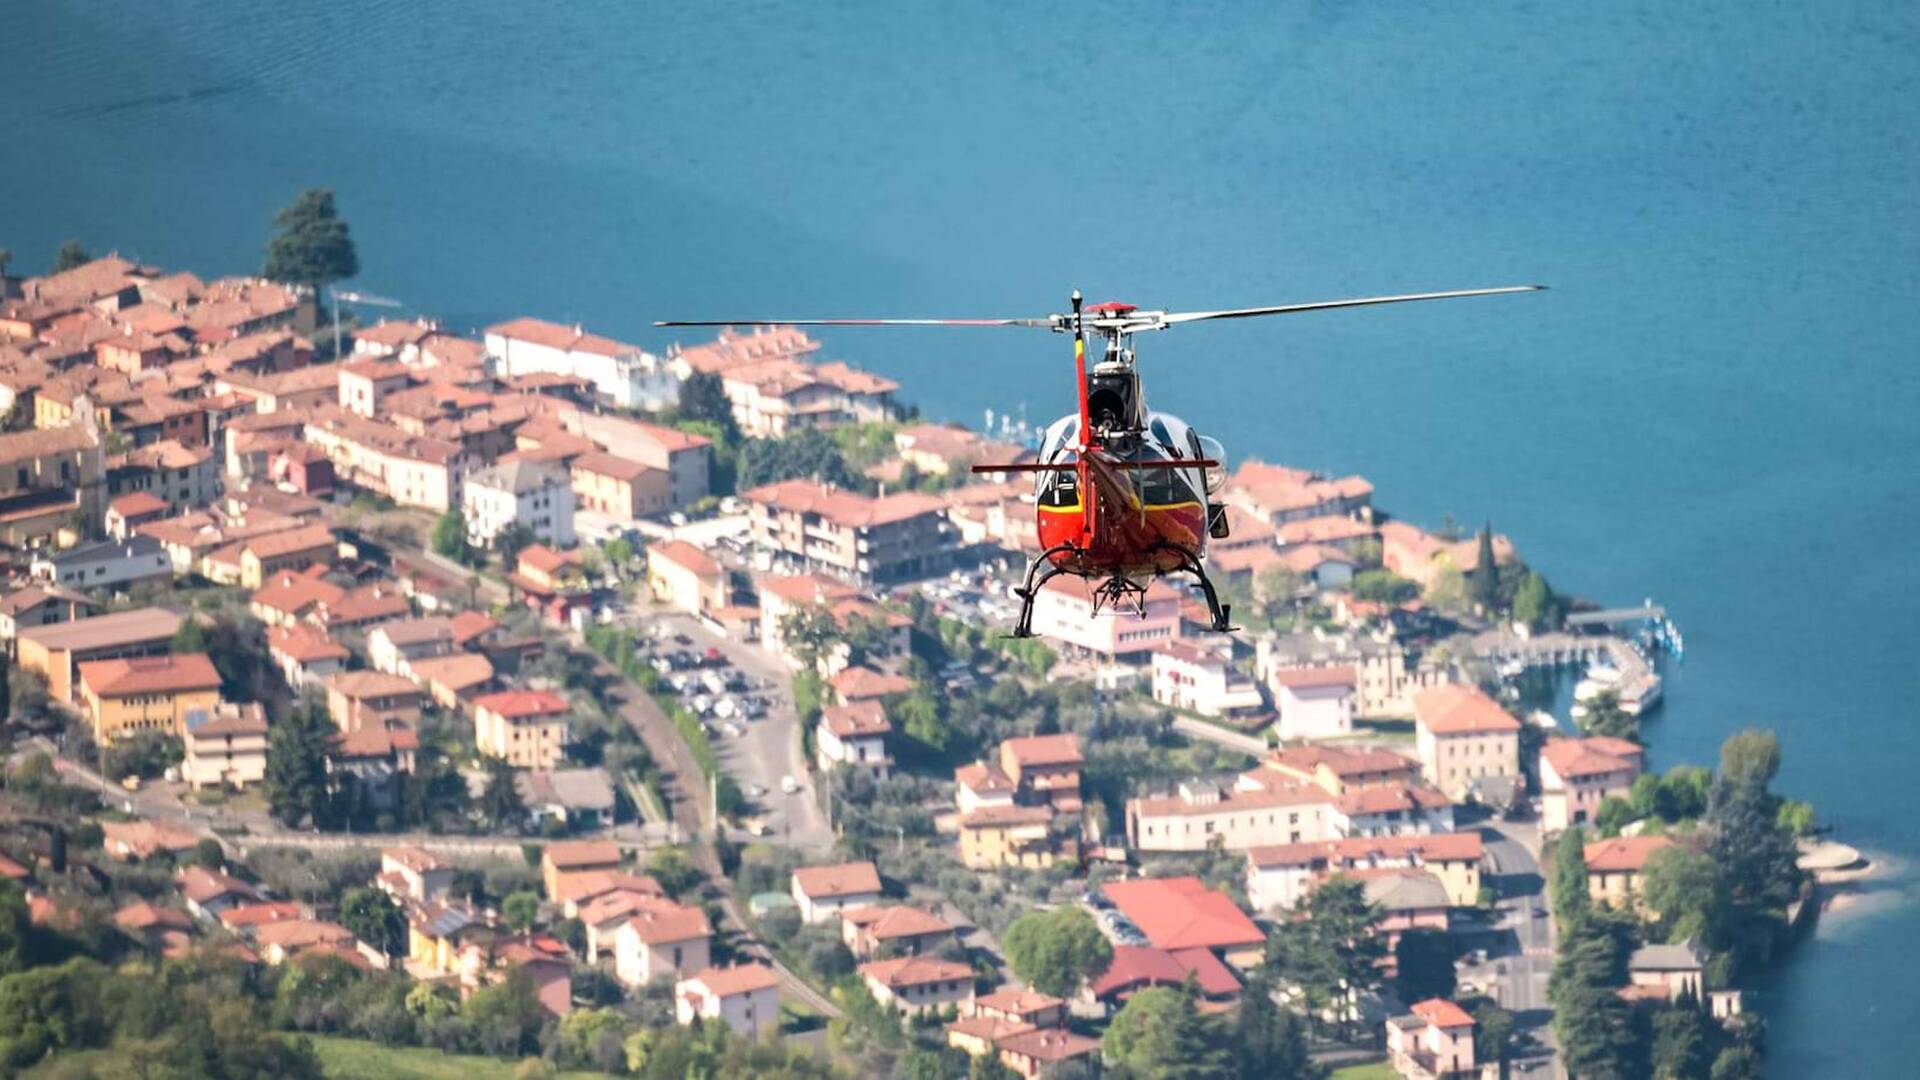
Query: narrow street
[{"x": 1522, "y": 958}]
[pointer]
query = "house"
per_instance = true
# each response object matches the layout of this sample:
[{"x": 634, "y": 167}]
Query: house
[
  {"x": 525, "y": 728},
  {"x": 686, "y": 459},
  {"x": 242, "y": 919},
  {"x": 1577, "y": 775},
  {"x": 1675, "y": 971},
  {"x": 365, "y": 606},
  {"x": 1340, "y": 769},
  {"x": 1421, "y": 556},
  {"x": 392, "y": 645},
  {"x": 1201, "y": 680},
  {"x": 109, "y": 564},
  {"x": 287, "y": 598},
  {"x": 1137, "y": 967},
  {"x": 916, "y": 984},
  {"x": 359, "y": 699},
  {"x": 1276, "y": 494},
  {"x": 782, "y": 596},
  {"x": 225, "y": 746},
  {"x": 604, "y": 914},
  {"x": 291, "y": 549},
  {"x": 1006, "y": 835},
  {"x": 364, "y": 384},
  {"x": 1026, "y": 1006},
  {"x": 1042, "y": 1052},
  {"x": 575, "y": 857},
  {"x": 1337, "y": 531},
  {"x": 619, "y": 488},
  {"x": 146, "y": 694},
  {"x": 978, "y": 1035},
  {"x": 211, "y": 893},
  {"x": 624, "y": 374},
  {"x": 1182, "y": 913},
  {"x": 1387, "y": 674},
  {"x": 1392, "y": 810},
  {"x": 178, "y": 474},
  {"x": 864, "y": 540},
  {"x": 282, "y": 941},
  {"x": 305, "y": 656},
  {"x": 1280, "y": 876},
  {"x": 533, "y": 495},
  {"x": 684, "y": 577},
  {"x": 437, "y": 933},
  {"x": 412, "y": 470},
  {"x": 1202, "y": 815},
  {"x": 127, "y": 512},
  {"x": 982, "y": 784},
  {"x": 1408, "y": 898},
  {"x": 414, "y": 874},
  {"x": 475, "y": 629},
  {"x": 1063, "y": 611},
  {"x": 39, "y": 605},
  {"x": 825, "y": 891},
  {"x": 451, "y": 680},
  {"x": 1045, "y": 769},
  {"x": 855, "y": 736},
  {"x": 56, "y": 651},
  {"x": 893, "y": 929},
  {"x": 857, "y": 684},
  {"x": 375, "y": 754},
  {"x": 551, "y": 582},
  {"x": 1314, "y": 702},
  {"x": 745, "y": 997},
  {"x": 663, "y": 939},
  {"x": 1463, "y": 735},
  {"x": 46, "y": 476},
  {"x": 1433, "y": 1041},
  {"x": 1614, "y": 867},
  {"x": 130, "y": 841},
  {"x": 156, "y": 929},
  {"x": 576, "y": 798}
]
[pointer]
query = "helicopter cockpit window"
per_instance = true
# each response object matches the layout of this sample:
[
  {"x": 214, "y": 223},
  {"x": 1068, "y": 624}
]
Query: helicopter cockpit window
[
  {"x": 1164, "y": 487},
  {"x": 1058, "y": 488}
]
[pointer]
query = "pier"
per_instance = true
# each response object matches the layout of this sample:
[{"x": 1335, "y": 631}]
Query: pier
[{"x": 1639, "y": 683}]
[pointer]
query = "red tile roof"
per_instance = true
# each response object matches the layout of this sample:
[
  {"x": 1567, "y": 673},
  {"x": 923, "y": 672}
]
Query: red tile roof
[
  {"x": 1181, "y": 912},
  {"x": 1457, "y": 709},
  {"x": 668, "y": 922},
  {"x": 807, "y": 589},
  {"x": 856, "y": 683},
  {"x": 683, "y": 554},
  {"x": 1304, "y": 678},
  {"x": 137, "y": 504},
  {"x": 1048, "y": 1044},
  {"x": 150, "y": 675},
  {"x": 738, "y": 979},
  {"x": 1135, "y": 966},
  {"x": 1442, "y": 1013},
  {"x": 914, "y": 971},
  {"x": 886, "y": 922},
  {"x": 578, "y": 853},
  {"x": 1037, "y": 750},
  {"x": 1572, "y": 758},
  {"x": 519, "y": 704},
  {"x": 1624, "y": 854},
  {"x": 847, "y": 509},
  {"x": 843, "y": 879},
  {"x": 865, "y": 717}
]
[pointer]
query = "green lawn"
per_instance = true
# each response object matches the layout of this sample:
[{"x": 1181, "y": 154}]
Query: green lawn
[
  {"x": 1373, "y": 1070},
  {"x": 352, "y": 1059}
]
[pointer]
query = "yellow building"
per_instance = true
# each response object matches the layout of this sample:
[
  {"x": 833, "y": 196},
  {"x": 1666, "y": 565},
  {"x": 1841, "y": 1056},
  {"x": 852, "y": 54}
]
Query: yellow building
[
  {"x": 140, "y": 694},
  {"x": 292, "y": 550},
  {"x": 620, "y": 488},
  {"x": 995, "y": 836},
  {"x": 1463, "y": 736},
  {"x": 1614, "y": 868},
  {"x": 525, "y": 728},
  {"x": 682, "y": 576}
]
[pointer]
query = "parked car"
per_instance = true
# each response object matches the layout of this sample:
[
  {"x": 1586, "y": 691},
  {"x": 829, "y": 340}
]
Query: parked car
[{"x": 789, "y": 785}]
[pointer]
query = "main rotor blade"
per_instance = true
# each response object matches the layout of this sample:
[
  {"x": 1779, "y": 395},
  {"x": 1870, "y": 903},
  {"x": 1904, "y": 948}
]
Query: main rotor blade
[
  {"x": 1172, "y": 318},
  {"x": 1044, "y": 324}
]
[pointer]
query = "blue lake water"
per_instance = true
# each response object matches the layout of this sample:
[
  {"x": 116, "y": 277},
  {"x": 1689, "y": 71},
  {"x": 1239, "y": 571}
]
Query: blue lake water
[{"x": 1715, "y": 406}]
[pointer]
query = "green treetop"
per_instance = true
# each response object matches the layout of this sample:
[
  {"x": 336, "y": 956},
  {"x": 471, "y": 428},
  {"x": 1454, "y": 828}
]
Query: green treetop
[
  {"x": 1055, "y": 950},
  {"x": 311, "y": 245}
]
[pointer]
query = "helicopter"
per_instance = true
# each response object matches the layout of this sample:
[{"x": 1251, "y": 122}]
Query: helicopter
[{"x": 1124, "y": 495}]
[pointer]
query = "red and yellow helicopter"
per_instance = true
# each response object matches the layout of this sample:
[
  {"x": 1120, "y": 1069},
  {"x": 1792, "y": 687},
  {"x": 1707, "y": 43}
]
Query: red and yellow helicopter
[{"x": 1125, "y": 495}]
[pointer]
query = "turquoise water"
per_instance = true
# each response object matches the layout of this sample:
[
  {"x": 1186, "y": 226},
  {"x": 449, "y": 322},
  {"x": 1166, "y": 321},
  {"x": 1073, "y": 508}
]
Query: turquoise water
[{"x": 1715, "y": 405}]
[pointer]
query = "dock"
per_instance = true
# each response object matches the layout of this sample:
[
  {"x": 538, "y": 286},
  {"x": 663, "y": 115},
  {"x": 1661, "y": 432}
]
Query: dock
[{"x": 1639, "y": 683}]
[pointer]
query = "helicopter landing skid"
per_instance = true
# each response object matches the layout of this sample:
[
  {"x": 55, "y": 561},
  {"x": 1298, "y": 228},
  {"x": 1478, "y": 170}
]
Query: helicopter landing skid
[
  {"x": 1116, "y": 593},
  {"x": 1040, "y": 571},
  {"x": 1222, "y": 613}
]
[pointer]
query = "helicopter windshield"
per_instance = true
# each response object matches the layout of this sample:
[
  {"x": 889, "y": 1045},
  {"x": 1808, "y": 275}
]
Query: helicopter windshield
[
  {"x": 1161, "y": 487},
  {"x": 1058, "y": 488}
]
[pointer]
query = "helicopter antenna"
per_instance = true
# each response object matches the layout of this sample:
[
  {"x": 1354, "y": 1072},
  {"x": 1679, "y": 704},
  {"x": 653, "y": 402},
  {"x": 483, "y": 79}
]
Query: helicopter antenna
[{"x": 1080, "y": 372}]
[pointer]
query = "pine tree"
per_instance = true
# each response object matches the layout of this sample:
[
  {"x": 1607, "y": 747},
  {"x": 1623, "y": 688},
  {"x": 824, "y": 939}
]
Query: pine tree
[
  {"x": 1270, "y": 1043},
  {"x": 70, "y": 256},
  {"x": 1569, "y": 892},
  {"x": 1486, "y": 574},
  {"x": 296, "y": 773},
  {"x": 500, "y": 802},
  {"x": 312, "y": 246}
]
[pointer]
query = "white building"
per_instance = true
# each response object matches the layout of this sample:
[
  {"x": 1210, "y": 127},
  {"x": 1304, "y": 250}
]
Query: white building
[
  {"x": 823, "y": 892},
  {"x": 854, "y": 735},
  {"x": 1392, "y": 810},
  {"x": 627, "y": 375},
  {"x": 746, "y": 997},
  {"x": 1203, "y": 815},
  {"x": 392, "y": 646},
  {"x": 534, "y": 494},
  {"x": 225, "y": 747},
  {"x": 664, "y": 939},
  {"x": 915, "y": 984},
  {"x": 1188, "y": 676},
  {"x": 1314, "y": 702},
  {"x": 106, "y": 565},
  {"x": 1577, "y": 775}
]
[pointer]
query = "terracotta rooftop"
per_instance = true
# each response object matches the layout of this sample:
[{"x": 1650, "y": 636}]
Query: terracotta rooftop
[
  {"x": 807, "y": 588},
  {"x": 738, "y": 979},
  {"x": 1037, "y": 750},
  {"x": 886, "y": 922},
  {"x": 370, "y": 684},
  {"x": 1457, "y": 709},
  {"x": 519, "y": 704},
  {"x": 304, "y": 644},
  {"x": 150, "y": 675},
  {"x": 669, "y": 922},
  {"x": 1623, "y": 854},
  {"x": 1181, "y": 912},
  {"x": 861, "y": 718},
  {"x": 914, "y": 971},
  {"x": 843, "y": 879},
  {"x": 1592, "y": 756},
  {"x": 847, "y": 509},
  {"x": 565, "y": 854},
  {"x": 119, "y": 628},
  {"x": 1442, "y": 1013},
  {"x": 857, "y": 682},
  {"x": 1308, "y": 678},
  {"x": 683, "y": 554},
  {"x": 1135, "y": 966}
]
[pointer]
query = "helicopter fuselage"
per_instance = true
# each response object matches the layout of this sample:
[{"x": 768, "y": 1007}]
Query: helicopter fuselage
[{"x": 1143, "y": 522}]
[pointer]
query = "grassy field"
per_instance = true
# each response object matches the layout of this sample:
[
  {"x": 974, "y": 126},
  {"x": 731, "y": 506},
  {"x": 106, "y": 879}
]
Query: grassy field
[
  {"x": 352, "y": 1059},
  {"x": 1373, "y": 1070}
]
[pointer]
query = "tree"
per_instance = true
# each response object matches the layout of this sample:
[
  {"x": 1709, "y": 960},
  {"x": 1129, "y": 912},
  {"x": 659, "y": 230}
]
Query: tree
[
  {"x": 704, "y": 397},
  {"x": 674, "y": 871},
  {"x": 1615, "y": 813},
  {"x": 1533, "y": 604},
  {"x": 500, "y": 802},
  {"x": 70, "y": 256},
  {"x": 809, "y": 454},
  {"x": 375, "y": 919},
  {"x": 520, "y": 910},
  {"x": 1682, "y": 1043},
  {"x": 311, "y": 246},
  {"x": 190, "y": 638},
  {"x": 1333, "y": 955},
  {"x": 512, "y": 540},
  {"x": 1591, "y": 1021},
  {"x": 1570, "y": 897},
  {"x": 1053, "y": 951},
  {"x": 449, "y": 539},
  {"x": 1685, "y": 888},
  {"x": 1161, "y": 1034},
  {"x": 1384, "y": 587},
  {"x": 1738, "y": 1063},
  {"x": 209, "y": 855},
  {"x": 1486, "y": 573},
  {"x": 296, "y": 773},
  {"x": 1750, "y": 758},
  {"x": 505, "y": 1019},
  {"x": 1424, "y": 959},
  {"x": 1492, "y": 1031},
  {"x": 1270, "y": 1043}
]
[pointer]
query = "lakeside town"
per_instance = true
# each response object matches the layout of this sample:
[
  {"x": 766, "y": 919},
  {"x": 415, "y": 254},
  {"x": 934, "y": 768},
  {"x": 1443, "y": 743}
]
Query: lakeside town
[{"x": 528, "y": 694}]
